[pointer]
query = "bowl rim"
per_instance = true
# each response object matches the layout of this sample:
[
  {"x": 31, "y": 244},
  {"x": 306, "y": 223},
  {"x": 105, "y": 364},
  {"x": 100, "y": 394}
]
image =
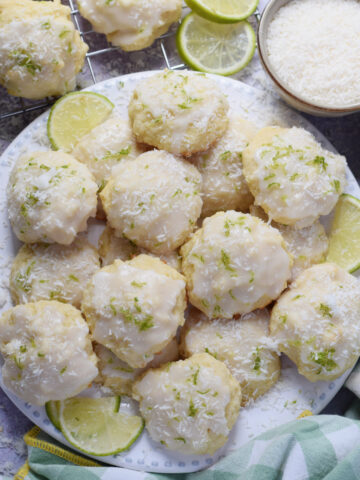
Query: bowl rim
[{"x": 263, "y": 25}]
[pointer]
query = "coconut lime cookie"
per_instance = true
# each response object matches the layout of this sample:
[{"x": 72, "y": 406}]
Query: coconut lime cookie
[
  {"x": 47, "y": 351},
  {"x": 134, "y": 308},
  {"x": 189, "y": 406},
  {"x": 234, "y": 264},
  {"x": 130, "y": 24},
  {"x": 41, "y": 52},
  {"x": 105, "y": 146},
  {"x": 119, "y": 376},
  {"x": 307, "y": 245},
  {"x": 180, "y": 112},
  {"x": 112, "y": 248},
  {"x": 50, "y": 196},
  {"x": 153, "y": 200},
  {"x": 242, "y": 344},
  {"x": 53, "y": 272},
  {"x": 291, "y": 176},
  {"x": 223, "y": 183},
  {"x": 316, "y": 322}
]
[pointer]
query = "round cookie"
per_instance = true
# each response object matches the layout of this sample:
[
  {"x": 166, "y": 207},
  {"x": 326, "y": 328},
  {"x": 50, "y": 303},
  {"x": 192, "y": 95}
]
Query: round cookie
[
  {"x": 134, "y": 308},
  {"x": 47, "y": 352},
  {"x": 119, "y": 376},
  {"x": 180, "y": 112},
  {"x": 112, "y": 248},
  {"x": 189, "y": 406},
  {"x": 50, "y": 197},
  {"x": 153, "y": 201},
  {"x": 242, "y": 344},
  {"x": 234, "y": 264},
  {"x": 130, "y": 24},
  {"x": 291, "y": 176},
  {"x": 308, "y": 245},
  {"x": 317, "y": 322},
  {"x": 53, "y": 272},
  {"x": 223, "y": 183},
  {"x": 41, "y": 51}
]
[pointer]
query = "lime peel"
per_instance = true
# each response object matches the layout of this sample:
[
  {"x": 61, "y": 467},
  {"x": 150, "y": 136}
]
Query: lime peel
[
  {"x": 74, "y": 115},
  {"x": 52, "y": 411},
  {"x": 214, "y": 48}
]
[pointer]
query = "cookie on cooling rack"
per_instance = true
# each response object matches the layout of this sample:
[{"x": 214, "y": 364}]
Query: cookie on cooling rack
[
  {"x": 53, "y": 272},
  {"x": 291, "y": 176},
  {"x": 40, "y": 51},
  {"x": 134, "y": 308},
  {"x": 234, "y": 264},
  {"x": 130, "y": 24},
  {"x": 153, "y": 200},
  {"x": 242, "y": 344},
  {"x": 189, "y": 406},
  {"x": 47, "y": 351},
  {"x": 50, "y": 197},
  {"x": 223, "y": 183},
  {"x": 317, "y": 322},
  {"x": 180, "y": 112}
]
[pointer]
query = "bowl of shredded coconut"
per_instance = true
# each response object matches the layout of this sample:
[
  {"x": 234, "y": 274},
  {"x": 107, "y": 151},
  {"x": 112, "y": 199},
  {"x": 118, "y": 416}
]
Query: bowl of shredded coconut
[{"x": 311, "y": 51}]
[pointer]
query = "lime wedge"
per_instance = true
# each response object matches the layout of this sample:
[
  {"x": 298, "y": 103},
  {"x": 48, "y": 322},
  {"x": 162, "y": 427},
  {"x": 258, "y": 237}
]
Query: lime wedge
[
  {"x": 215, "y": 48},
  {"x": 52, "y": 411},
  {"x": 75, "y": 115},
  {"x": 96, "y": 427},
  {"x": 344, "y": 241},
  {"x": 223, "y": 11}
]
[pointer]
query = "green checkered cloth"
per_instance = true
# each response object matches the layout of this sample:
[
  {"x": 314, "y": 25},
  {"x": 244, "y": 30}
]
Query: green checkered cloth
[{"x": 312, "y": 448}]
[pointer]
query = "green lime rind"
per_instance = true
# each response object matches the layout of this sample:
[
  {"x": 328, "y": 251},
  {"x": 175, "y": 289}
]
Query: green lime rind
[
  {"x": 200, "y": 7},
  {"x": 195, "y": 64},
  {"x": 60, "y": 105},
  {"x": 52, "y": 411},
  {"x": 344, "y": 245},
  {"x": 96, "y": 427}
]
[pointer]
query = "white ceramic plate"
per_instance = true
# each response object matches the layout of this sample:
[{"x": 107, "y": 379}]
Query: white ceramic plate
[{"x": 284, "y": 402}]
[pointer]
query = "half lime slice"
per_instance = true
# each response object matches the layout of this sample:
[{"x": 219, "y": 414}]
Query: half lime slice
[
  {"x": 344, "y": 241},
  {"x": 75, "y": 115},
  {"x": 215, "y": 48},
  {"x": 52, "y": 411},
  {"x": 96, "y": 427},
  {"x": 223, "y": 11}
]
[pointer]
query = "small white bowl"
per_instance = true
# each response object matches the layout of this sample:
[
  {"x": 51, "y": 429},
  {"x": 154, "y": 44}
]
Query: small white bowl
[{"x": 285, "y": 91}]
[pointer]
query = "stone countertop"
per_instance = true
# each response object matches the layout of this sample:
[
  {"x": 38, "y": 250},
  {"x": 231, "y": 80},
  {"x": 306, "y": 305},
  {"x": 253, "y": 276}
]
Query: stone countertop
[{"x": 343, "y": 133}]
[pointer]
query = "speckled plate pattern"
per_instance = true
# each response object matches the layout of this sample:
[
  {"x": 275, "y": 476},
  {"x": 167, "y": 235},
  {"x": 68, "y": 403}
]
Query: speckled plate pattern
[{"x": 287, "y": 399}]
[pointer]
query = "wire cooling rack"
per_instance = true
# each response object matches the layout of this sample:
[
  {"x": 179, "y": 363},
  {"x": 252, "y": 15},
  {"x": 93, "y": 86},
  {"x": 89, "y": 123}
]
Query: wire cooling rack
[{"x": 19, "y": 106}]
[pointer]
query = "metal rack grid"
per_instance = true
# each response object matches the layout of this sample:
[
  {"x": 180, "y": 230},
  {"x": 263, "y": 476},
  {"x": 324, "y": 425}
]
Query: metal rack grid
[{"x": 75, "y": 15}]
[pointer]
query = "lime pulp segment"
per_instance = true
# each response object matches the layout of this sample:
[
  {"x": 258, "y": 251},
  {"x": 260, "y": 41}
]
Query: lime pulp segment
[
  {"x": 215, "y": 48},
  {"x": 223, "y": 11}
]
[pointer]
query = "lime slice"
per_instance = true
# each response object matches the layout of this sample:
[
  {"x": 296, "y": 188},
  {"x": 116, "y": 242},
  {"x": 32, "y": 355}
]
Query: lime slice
[
  {"x": 74, "y": 115},
  {"x": 223, "y": 11},
  {"x": 96, "y": 427},
  {"x": 215, "y": 48},
  {"x": 344, "y": 244},
  {"x": 52, "y": 411}
]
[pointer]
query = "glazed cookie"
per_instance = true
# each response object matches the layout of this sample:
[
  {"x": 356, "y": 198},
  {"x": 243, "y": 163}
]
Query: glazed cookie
[
  {"x": 130, "y": 24},
  {"x": 47, "y": 351},
  {"x": 180, "y": 112},
  {"x": 291, "y": 176},
  {"x": 242, "y": 344},
  {"x": 154, "y": 201},
  {"x": 317, "y": 322},
  {"x": 50, "y": 197},
  {"x": 223, "y": 183},
  {"x": 189, "y": 406},
  {"x": 53, "y": 272},
  {"x": 134, "y": 308},
  {"x": 41, "y": 52},
  {"x": 234, "y": 264}
]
